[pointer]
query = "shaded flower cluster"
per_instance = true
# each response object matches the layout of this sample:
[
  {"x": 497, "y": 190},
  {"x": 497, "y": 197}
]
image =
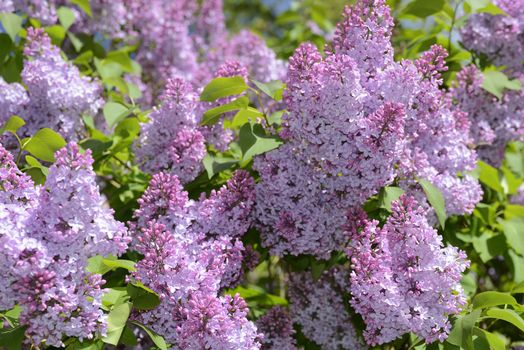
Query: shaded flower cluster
[
  {"x": 57, "y": 95},
  {"x": 403, "y": 279},
  {"x": 191, "y": 251},
  {"x": 277, "y": 327},
  {"x": 319, "y": 308},
  {"x": 499, "y": 38},
  {"x": 358, "y": 120},
  {"x": 48, "y": 234},
  {"x": 495, "y": 122}
]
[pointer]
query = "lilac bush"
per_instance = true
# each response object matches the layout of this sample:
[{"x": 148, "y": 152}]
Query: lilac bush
[{"x": 169, "y": 179}]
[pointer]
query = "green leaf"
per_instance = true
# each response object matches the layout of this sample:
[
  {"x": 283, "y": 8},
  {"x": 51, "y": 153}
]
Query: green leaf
[
  {"x": 507, "y": 315},
  {"x": 84, "y": 5},
  {"x": 492, "y": 9},
  {"x": 120, "y": 263},
  {"x": 12, "y": 125},
  {"x": 84, "y": 58},
  {"x": 215, "y": 164},
  {"x": 514, "y": 232},
  {"x": 86, "y": 345},
  {"x": 122, "y": 58},
  {"x": 388, "y": 195},
  {"x": 128, "y": 337},
  {"x": 44, "y": 144},
  {"x": 116, "y": 321},
  {"x": 513, "y": 210},
  {"x": 114, "y": 296},
  {"x": 518, "y": 289},
  {"x": 477, "y": 4},
  {"x": 156, "y": 338},
  {"x": 11, "y": 339},
  {"x": 253, "y": 141},
  {"x": 245, "y": 115},
  {"x": 436, "y": 200},
  {"x": 461, "y": 334},
  {"x": 491, "y": 298},
  {"x": 495, "y": 342},
  {"x": 12, "y": 24},
  {"x": 211, "y": 116},
  {"x": 115, "y": 112},
  {"x": 273, "y": 89},
  {"x": 424, "y": 8},
  {"x": 95, "y": 264},
  {"x": 223, "y": 87},
  {"x": 66, "y": 17},
  {"x": 489, "y": 176},
  {"x": 143, "y": 298},
  {"x": 495, "y": 82},
  {"x": 317, "y": 268},
  {"x": 57, "y": 34}
]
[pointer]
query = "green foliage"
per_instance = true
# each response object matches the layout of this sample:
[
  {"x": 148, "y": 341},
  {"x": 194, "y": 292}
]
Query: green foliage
[
  {"x": 436, "y": 200},
  {"x": 223, "y": 87}
]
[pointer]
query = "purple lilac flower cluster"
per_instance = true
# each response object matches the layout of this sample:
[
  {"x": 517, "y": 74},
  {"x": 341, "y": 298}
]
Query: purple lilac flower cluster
[
  {"x": 500, "y": 38},
  {"x": 403, "y": 279},
  {"x": 358, "y": 120},
  {"x": 277, "y": 327},
  {"x": 495, "y": 122},
  {"x": 191, "y": 251},
  {"x": 48, "y": 233},
  {"x": 320, "y": 310},
  {"x": 172, "y": 140},
  {"x": 57, "y": 95}
]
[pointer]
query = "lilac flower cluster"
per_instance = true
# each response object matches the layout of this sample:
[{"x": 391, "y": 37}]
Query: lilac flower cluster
[
  {"x": 403, "y": 279},
  {"x": 319, "y": 309},
  {"x": 43, "y": 10},
  {"x": 277, "y": 327},
  {"x": 188, "y": 39},
  {"x": 172, "y": 141},
  {"x": 358, "y": 120},
  {"x": 500, "y": 38},
  {"x": 57, "y": 95},
  {"x": 495, "y": 122},
  {"x": 191, "y": 251},
  {"x": 48, "y": 233}
]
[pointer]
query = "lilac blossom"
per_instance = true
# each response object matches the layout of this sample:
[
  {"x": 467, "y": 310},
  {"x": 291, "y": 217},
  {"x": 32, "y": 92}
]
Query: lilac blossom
[
  {"x": 499, "y": 38},
  {"x": 357, "y": 121},
  {"x": 191, "y": 252},
  {"x": 172, "y": 141},
  {"x": 319, "y": 308},
  {"x": 57, "y": 95},
  {"x": 277, "y": 327},
  {"x": 403, "y": 279},
  {"x": 495, "y": 122},
  {"x": 58, "y": 227}
]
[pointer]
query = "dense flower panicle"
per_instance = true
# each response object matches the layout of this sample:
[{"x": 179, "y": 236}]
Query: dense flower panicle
[
  {"x": 277, "y": 328},
  {"x": 252, "y": 52},
  {"x": 57, "y": 227},
  {"x": 318, "y": 307},
  {"x": 295, "y": 214},
  {"x": 495, "y": 122},
  {"x": 228, "y": 210},
  {"x": 12, "y": 99},
  {"x": 57, "y": 95},
  {"x": 43, "y": 10},
  {"x": 191, "y": 251},
  {"x": 357, "y": 120},
  {"x": 365, "y": 35},
  {"x": 403, "y": 279},
  {"x": 172, "y": 141},
  {"x": 499, "y": 38},
  {"x": 515, "y": 8}
]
